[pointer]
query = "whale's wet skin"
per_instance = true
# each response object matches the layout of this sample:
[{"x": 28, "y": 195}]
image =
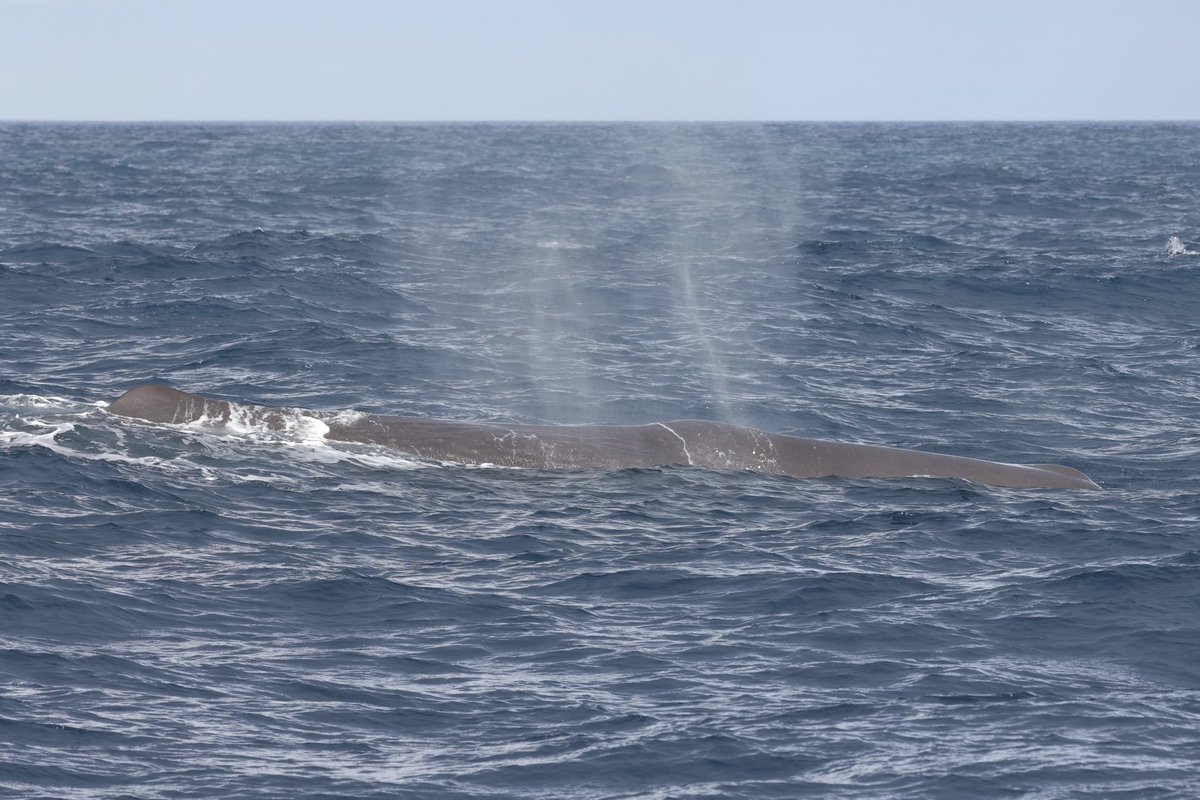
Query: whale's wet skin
[{"x": 713, "y": 445}]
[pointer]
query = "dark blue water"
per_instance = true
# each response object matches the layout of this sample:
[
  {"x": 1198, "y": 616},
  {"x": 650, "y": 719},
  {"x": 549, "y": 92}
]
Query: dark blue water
[{"x": 190, "y": 612}]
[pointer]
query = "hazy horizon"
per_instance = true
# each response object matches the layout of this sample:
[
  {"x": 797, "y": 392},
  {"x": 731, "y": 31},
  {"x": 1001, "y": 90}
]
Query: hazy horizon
[{"x": 218, "y": 121}]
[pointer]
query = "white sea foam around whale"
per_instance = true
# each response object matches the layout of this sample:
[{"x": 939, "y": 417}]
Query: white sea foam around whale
[{"x": 237, "y": 448}]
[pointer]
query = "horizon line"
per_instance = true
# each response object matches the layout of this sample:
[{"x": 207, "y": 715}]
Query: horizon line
[{"x": 597, "y": 121}]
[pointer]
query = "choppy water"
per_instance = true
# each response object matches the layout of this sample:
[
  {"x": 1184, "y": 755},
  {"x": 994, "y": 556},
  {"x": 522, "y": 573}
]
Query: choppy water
[{"x": 190, "y": 613}]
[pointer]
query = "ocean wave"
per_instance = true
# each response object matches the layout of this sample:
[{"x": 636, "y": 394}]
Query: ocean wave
[{"x": 247, "y": 604}]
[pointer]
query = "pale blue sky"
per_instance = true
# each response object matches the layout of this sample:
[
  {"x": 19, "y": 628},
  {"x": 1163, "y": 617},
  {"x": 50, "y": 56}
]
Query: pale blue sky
[{"x": 610, "y": 60}]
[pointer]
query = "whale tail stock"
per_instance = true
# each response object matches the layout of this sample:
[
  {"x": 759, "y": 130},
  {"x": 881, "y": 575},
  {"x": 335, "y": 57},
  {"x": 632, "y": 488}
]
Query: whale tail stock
[{"x": 712, "y": 445}]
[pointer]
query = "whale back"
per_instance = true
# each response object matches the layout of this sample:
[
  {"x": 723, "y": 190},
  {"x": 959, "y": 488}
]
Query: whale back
[
  {"x": 712, "y": 445},
  {"x": 163, "y": 404}
]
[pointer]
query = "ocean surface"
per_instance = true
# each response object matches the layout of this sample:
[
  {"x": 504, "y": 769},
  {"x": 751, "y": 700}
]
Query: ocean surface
[{"x": 191, "y": 612}]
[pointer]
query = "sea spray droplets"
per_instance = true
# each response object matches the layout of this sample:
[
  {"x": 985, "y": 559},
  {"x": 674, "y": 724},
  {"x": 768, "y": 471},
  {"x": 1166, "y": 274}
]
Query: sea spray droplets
[{"x": 1178, "y": 247}]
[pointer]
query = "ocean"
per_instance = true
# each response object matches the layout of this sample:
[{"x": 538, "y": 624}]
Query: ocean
[{"x": 190, "y": 612}]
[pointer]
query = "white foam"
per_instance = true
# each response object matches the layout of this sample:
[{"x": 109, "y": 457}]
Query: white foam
[
  {"x": 289, "y": 427},
  {"x": 1178, "y": 247},
  {"x": 303, "y": 434},
  {"x": 49, "y": 440},
  {"x": 38, "y": 402},
  {"x": 558, "y": 245},
  {"x": 30, "y": 439},
  {"x": 253, "y": 478},
  {"x": 310, "y": 429},
  {"x": 345, "y": 417},
  {"x": 359, "y": 455},
  {"x": 241, "y": 444},
  {"x": 283, "y": 426}
]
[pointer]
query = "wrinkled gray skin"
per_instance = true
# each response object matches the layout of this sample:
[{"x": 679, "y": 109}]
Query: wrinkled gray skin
[{"x": 712, "y": 445}]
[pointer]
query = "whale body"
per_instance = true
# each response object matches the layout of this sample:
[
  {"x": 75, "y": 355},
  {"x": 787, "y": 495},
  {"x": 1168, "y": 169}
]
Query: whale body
[{"x": 711, "y": 445}]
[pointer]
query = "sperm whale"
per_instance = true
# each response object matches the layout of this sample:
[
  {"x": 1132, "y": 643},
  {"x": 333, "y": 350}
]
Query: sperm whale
[{"x": 711, "y": 445}]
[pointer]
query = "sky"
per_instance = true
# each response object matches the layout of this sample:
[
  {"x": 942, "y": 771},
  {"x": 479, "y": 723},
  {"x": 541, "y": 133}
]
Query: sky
[{"x": 599, "y": 60}]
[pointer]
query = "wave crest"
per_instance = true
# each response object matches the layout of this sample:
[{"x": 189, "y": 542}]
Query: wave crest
[{"x": 1178, "y": 247}]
